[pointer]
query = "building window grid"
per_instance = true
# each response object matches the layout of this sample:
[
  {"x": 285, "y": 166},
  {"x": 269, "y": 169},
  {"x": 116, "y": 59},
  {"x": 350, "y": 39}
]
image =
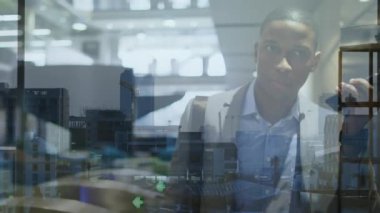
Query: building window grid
[
  {"x": 35, "y": 167},
  {"x": 35, "y": 154}
]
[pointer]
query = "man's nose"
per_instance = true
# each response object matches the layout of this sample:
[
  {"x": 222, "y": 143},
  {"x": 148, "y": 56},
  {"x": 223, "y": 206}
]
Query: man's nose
[{"x": 284, "y": 65}]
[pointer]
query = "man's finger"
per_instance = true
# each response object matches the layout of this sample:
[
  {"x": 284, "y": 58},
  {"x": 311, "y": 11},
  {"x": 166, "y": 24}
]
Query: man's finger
[
  {"x": 361, "y": 83},
  {"x": 348, "y": 89}
]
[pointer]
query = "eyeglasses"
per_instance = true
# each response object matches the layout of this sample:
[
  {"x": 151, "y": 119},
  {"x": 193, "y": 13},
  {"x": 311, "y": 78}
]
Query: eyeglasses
[{"x": 298, "y": 56}]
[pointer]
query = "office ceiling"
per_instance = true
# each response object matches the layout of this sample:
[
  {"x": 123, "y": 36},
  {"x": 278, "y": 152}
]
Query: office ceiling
[{"x": 237, "y": 24}]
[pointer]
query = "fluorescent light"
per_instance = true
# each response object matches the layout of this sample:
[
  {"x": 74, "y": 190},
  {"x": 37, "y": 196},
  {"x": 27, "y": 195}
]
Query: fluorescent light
[
  {"x": 109, "y": 26},
  {"x": 41, "y": 32},
  {"x": 8, "y": 44},
  {"x": 139, "y": 4},
  {"x": 364, "y": 0},
  {"x": 36, "y": 32},
  {"x": 194, "y": 24},
  {"x": 9, "y": 32},
  {"x": 182, "y": 4},
  {"x": 160, "y": 6},
  {"x": 61, "y": 43},
  {"x": 38, "y": 43},
  {"x": 43, "y": 8},
  {"x": 203, "y": 3},
  {"x": 83, "y": 5},
  {"x": 141, "y": 36},
  {"x": 54, "y": 43},
  {"x": 10, "y": 17},
  {"x": 169, "y": 23},
  {"x": 79, "y": 26}
]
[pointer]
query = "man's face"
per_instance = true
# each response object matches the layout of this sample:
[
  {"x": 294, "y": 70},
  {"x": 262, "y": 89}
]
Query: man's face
[{"x": 285, "y": 56}]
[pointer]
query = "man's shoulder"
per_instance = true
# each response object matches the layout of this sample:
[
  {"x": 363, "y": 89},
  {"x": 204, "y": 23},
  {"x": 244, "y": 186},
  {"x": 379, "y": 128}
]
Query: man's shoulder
[
  {"x": 215, "y": 108},
  {"x": 226, "y": 97},
  {"x": 221, "y": 99},
  {"x": 227, "y": 93}
]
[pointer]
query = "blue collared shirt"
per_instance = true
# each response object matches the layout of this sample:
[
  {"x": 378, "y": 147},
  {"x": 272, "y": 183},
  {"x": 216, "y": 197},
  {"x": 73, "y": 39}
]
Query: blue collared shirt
[{"x": 266, "y": 155}]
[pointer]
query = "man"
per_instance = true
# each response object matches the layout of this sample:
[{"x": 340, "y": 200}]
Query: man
[{"x": 275, "y": 131}]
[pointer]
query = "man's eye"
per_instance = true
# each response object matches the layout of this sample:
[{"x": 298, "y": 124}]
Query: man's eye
[
  {"x": 271, "y": 48},
  {"x": 297, "y": 53},
  {"x": 300, "y": 54}
]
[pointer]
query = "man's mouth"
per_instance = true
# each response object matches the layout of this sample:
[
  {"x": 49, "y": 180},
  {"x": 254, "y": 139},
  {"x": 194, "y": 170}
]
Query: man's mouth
[{"x": 279, "y": 85}]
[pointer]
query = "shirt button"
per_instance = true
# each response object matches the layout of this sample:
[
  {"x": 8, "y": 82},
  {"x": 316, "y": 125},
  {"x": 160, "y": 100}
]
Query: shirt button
[{"x": 256, "y": 116}]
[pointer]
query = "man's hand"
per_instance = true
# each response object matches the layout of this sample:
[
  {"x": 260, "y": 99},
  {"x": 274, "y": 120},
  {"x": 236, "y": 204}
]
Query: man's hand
[
  {"x": 356, "y": 118},
  {"x": 358, "y": 88}
]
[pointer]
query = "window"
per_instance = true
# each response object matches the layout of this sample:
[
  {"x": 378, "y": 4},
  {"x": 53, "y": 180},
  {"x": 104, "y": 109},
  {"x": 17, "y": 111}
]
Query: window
[
  {"x": 180, "y": 4},
  {"x": 139, "y": 4},
  {"x": 192, "y": 67},
  {"x": 203, "y": 3},
  {"x": 35, "y": 147},
  {"x": 35, "y": 167},
  {"x": 216, "y": 65},
  {"x": 35, "y": 178},
  {"x": 35, "y": 154}
]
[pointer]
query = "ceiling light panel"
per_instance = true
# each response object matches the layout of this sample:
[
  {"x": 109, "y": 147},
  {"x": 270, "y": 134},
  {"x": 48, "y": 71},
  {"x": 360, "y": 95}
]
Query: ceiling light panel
[
  {"x": 79, "y": 26},
  {"x": 9, "y": 17}
]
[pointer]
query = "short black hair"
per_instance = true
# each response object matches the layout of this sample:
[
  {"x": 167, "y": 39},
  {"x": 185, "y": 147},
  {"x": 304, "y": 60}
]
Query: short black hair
[{"x": 292, "y": 14}]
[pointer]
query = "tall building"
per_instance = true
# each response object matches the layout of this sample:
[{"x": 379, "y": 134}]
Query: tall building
[
  {"x": 78, "y": 128},
  {"x": 48, "y": 104},
  {"x": 7, "y": 171},
  {"x": 37, "y": 160},
  {"x": 8, "y": 117},
  {"x": 51, "y": 105},
  {"x": 39, "y": 166},
  {"x": 127, "y": 94},
  {"x": 108, "y": 128}
]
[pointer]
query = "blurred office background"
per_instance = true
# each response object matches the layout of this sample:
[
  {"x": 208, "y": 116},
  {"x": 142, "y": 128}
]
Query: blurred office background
[{"x": 106, "y": 82}]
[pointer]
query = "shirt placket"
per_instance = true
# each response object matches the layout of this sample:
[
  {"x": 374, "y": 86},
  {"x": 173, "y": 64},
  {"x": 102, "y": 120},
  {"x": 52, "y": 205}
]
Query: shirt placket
[
  {"x": 272, "y": 149},
  {"x": 267, "y": 147}
]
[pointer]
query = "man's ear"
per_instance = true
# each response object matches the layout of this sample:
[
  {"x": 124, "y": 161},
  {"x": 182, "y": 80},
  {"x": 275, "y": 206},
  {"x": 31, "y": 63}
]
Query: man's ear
[{"x": 315, "y": 60}]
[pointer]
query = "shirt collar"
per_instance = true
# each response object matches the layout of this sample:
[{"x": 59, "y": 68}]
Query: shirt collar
[{"x": 250, "y": 107}]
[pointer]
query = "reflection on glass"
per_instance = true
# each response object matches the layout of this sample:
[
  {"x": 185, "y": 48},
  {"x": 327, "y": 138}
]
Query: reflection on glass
[{"x": 103, "y": 122}]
